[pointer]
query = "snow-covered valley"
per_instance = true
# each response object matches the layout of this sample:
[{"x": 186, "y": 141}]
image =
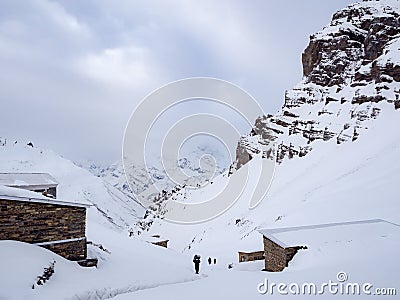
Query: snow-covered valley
[
  {"x": 337, "y": 153},
  {"x": 361, "y": 187}
]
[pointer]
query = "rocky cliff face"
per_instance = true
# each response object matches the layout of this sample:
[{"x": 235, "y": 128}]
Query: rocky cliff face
[{"x": 351, "y": 71}]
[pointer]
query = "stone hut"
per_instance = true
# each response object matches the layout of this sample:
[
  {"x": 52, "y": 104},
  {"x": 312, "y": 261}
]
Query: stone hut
[
  {"x": 54, "y": 224},
  {"x": 250, "y": 256},
  {"x": 158, "y": 241},
  {"x": 37, "y": 182},
  {"x": 282, "y": 244},
  {"x": 277, "y": 255}
]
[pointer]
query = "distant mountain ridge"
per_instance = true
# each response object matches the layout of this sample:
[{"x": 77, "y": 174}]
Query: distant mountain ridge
[{"x": 115, "y": 174}]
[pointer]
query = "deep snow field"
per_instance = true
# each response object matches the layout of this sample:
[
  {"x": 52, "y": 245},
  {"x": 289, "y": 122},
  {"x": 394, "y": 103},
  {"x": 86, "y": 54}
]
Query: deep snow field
[{"x": 335, "y": 183}]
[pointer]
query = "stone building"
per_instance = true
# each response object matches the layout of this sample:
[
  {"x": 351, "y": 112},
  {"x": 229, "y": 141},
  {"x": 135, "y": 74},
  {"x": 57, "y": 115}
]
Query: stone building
[
  {"x": 282, "y": 244},
  {"x": 54, "y": 224},
  {"x": 250, "y": 256},
  {"x": 36, "y": 182},
  {"x": 277, "y": 255},
  {"x": 158, "y": 241}
]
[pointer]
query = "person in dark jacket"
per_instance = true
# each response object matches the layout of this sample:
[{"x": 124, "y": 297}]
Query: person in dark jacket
[
  {"x": 196, "y": 261},
  {"x": 209, "y": 260}
]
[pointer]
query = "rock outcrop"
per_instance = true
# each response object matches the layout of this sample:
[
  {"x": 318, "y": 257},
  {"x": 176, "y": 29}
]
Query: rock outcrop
[{"x": 351, "y": 71}]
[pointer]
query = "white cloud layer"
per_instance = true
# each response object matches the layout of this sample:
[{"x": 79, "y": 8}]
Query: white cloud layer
[{"x": 73, "y": 71}]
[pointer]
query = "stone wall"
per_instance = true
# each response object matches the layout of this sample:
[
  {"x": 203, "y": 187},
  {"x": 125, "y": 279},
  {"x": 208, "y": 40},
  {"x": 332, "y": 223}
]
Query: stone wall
[
  {"x": 161, "y": 243},
  {"x": 290, "y": 253},
  {"x": 275, "y": 256},
  {"x": 251, "y": 256},
  {"x": 33, "y": 222},
  {"x": 75, "y": 250}
]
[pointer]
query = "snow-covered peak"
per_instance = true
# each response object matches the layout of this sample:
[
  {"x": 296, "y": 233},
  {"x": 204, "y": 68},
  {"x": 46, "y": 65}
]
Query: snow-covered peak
[
  {"x": 350, "y": 69},
  {"x": 356, "y": 17},
  {"x": 196, "y": 163}
]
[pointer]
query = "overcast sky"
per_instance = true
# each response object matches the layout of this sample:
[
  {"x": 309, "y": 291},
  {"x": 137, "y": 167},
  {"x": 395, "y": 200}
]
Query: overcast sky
[{"x": 73, "y": 71}]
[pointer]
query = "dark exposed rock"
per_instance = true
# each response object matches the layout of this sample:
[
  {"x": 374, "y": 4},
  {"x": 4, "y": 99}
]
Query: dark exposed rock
[
  {"x": 348, "y": 71},
  {"x": 289, "y": 114},
  {"x": 327, "y": 58},
  {"x": 397, "y": 104},
  {"x": 242, "y": 155},
  {"x": 363, "y": 99}
]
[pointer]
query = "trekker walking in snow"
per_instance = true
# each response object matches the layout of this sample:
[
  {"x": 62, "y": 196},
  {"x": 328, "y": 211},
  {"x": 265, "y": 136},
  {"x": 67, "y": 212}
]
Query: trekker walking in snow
[
  {"x": 209, "y": 260},
  {"x": 196, "y": 261}
]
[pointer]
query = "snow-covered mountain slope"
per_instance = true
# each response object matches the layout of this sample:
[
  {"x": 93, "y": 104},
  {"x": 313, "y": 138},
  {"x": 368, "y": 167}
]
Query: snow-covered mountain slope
[
  {"x": 75, "y": 183},
  {"x": 350, "y": 77},
  {"x": 334, "y": 183},
  {"x": 113, "y": 174},
  {"x": 350, "y": 125},
  {"x": 351, "y": 68}
]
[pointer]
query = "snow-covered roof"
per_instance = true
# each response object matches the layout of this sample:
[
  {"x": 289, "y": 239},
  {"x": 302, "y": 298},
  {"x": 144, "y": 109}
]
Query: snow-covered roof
[
  {"x": 40, "y": 180},
  {"x": 16, "y": 194},
  {"x": 301, "y": 235}
]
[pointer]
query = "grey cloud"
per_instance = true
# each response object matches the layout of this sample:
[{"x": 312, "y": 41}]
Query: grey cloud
[{"x": 73, "y": 71}]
